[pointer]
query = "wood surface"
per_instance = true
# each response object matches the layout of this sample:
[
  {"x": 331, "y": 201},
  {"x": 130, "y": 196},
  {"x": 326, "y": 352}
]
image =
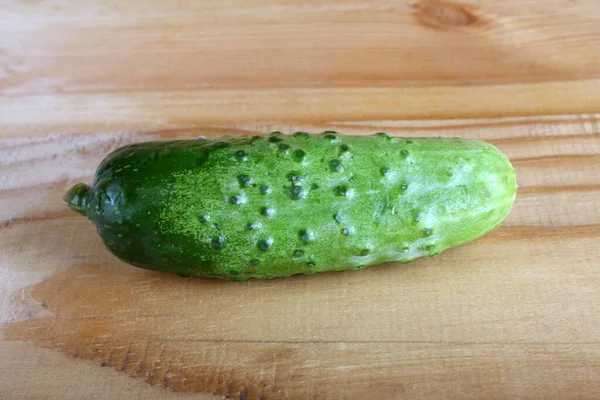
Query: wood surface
[{"x": 515, "y": 314}]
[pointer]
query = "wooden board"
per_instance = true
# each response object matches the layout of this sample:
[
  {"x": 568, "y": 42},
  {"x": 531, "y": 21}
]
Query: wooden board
[{"x": 515, "y": 314}]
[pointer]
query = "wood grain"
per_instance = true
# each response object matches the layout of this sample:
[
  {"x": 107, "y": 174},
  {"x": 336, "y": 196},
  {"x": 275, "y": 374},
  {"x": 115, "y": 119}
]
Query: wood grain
[
  {"x": 147, "y": 65},
  {"x": 514, "y": 314}
]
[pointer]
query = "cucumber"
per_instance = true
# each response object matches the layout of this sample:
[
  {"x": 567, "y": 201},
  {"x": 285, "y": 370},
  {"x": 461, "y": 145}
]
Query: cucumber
[{"x": 278, "y": 205}]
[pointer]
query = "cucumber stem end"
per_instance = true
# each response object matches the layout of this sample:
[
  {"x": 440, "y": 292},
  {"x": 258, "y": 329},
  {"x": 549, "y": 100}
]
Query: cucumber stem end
[{"x": 78, "y": 198}]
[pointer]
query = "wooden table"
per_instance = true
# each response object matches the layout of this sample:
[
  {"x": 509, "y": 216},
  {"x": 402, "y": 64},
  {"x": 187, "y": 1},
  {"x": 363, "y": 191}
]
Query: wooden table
[{"x": 515, "y": 314}]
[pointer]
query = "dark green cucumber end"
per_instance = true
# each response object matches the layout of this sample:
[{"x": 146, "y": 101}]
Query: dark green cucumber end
[{"x": 78, "y": 198}]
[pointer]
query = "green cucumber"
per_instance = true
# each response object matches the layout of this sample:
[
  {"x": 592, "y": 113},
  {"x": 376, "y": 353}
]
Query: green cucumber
[{"x": 274, "y": 206}]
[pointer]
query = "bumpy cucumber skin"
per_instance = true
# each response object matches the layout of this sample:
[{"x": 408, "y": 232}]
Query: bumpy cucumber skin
[{"x": 274, "y": 206}]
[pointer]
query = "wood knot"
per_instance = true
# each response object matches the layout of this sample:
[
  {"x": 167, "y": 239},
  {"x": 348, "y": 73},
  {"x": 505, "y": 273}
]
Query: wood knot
[{"x": 443, "y": 14}]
